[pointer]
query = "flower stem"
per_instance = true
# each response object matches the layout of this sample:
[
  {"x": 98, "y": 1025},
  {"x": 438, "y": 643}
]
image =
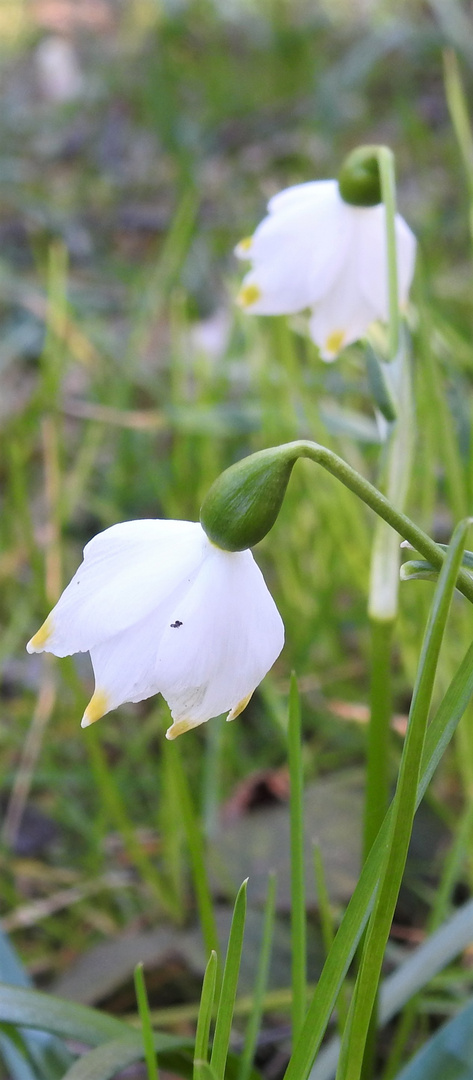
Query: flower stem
[
  {"x": 380, "y": 504},
  {"x": 388, "y": 192},
  {"x": 377, "y": 776},
  {"x": 383, "y": 597}
]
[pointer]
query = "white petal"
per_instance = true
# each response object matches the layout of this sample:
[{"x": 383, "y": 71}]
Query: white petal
[
  {"x": 372, "y": 258},
  {"x": 205, "y": 650},
  {"x": 230, "y": 636},
  {"x": 128, "y": 570},
  {"x": 315, "y": 191},
  {"x": 343, "y": 315},
  {"x": 296, "y": 254}
]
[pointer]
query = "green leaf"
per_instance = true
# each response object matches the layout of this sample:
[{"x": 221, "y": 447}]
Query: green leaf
[
  {"x": 404, "y": 806},
  {"x": 379, "y": 384},
  {"x": 205, "y": 1015},
  {"x": 31, "y": 1008},
  {"x": 439, "y": 734},
  {"x": 254, "y": 1022},
  {"x": 49, "y": 1055},
  {"x": 448, "y": 1055},
  {"x": 146, "y": 1026},
  {"x": 226, "y": 1003},
  {"x": 106, "y": 1060},
  {"x": 298, "y": 891}
]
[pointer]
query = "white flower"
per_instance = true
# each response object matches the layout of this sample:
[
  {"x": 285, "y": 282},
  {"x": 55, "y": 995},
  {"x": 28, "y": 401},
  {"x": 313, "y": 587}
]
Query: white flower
[
  {"x": 161, "y": 609},
  {"x": 316, "y": 251}
]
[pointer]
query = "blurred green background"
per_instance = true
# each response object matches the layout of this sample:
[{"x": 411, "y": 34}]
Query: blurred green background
[{"x": 139, "y": 142}]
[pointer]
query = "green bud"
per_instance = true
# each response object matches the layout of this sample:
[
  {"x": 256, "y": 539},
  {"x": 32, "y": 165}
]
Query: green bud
[
  {"x": 244, "y": 502},
  {"x": 359, "y": 179}
]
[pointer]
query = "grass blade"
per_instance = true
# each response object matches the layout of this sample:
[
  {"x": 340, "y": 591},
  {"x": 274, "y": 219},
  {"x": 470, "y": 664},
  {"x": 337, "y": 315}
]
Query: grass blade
[
  {"x": 205, "y": 1016},
  {"x": 404, "y": 806},
  {"x": 298, "y": 908},
  {"x": 439, "y": 734},
  {"x": 226, "y": 1003},
  {"x": 254, "y": 1021},
  {"x": 146, "y": 1028}
]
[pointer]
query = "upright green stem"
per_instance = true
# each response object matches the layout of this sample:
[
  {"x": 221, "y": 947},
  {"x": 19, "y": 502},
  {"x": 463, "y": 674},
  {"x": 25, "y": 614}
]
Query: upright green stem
[
  {"x": 298, "y": 906},
  {"x": 388, "y": 192},
  {"x": 383, "y": 596},
  {"x": 377, "y": 773}
]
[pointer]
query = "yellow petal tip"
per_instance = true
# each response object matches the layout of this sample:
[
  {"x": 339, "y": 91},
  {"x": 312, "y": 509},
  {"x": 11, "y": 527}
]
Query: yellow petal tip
[
  {"x": 239, "y": 708},
  {"x": 39, "y": 640},
  {"x": 97, "y": 707},
  {"x": 334, "y": 343},
  {"x": 244, "y": 246},
  {"x": 178, "y": 728},
  {"x": 249, "y": 295}
]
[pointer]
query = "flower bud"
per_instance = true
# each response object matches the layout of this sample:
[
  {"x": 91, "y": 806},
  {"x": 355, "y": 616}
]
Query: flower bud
[
  {"x": 359, "y": 180},
  {"x": 244, "y": 502}
]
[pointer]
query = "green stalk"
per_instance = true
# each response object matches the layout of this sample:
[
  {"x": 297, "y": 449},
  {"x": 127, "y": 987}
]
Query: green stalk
[
  {"x": 254, "y": 1022},
  {"x": 439, "y": 734},
  {"x": 378, "y": 502},
  {"x": 298, "y": 907},
  {"x": 196, "y": 847},
  {"x": 377, "y": 763},
  {"x": 146, "y": 1027},
  {"x": 388, "y": 193},
  {"x": 118, "y": 816},
  {"x": 223, "y": 1024},
  {"x": 404, "y": 805},
  {"x": 205, "y": 1015},
  {"x": 458, "y": 109}
]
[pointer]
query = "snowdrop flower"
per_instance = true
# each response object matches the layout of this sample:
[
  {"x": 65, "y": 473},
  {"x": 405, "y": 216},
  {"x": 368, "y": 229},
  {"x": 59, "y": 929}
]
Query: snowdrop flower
[
  {"x": 316, "y": 251},
  {"x": 162, "y": 609}
]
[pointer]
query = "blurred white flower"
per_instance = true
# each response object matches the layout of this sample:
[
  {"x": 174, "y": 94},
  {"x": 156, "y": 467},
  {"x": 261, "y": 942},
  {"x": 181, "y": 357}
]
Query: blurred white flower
[
  {"x": 59, "y": 75},
  {"x": 316, "y": 251},
  {"x": 162, "y": 609}
]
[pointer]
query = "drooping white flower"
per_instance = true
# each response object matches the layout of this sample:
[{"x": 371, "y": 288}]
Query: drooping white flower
[
  {"x": 162, "y": 609},
  {"x": 313, "y": 250}
]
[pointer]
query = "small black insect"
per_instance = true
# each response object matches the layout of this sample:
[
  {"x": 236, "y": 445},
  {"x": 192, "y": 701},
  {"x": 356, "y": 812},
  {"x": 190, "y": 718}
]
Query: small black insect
[{"x": 176, "y": 624}]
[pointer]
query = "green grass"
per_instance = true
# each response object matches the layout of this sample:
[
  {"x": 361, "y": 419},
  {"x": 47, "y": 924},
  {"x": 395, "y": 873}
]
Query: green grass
[{"x": 119, "y": 215}]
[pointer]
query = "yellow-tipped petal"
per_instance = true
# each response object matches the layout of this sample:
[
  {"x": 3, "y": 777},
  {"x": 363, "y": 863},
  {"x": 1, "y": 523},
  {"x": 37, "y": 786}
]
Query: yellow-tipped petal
[
  {"x": 244, "y": 246},
  {"x": 178, "y": 728},
  {"x": 239, "y": 708},
  {"x": 249, "y": 295},
  {"x": 97, "y": 707},
  {"x": 39, "y": 640},
  {"x": 334, "y": 342}
]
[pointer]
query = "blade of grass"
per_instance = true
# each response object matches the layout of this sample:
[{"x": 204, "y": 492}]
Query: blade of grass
[
  {"x": 261, "y": 982},
  {"x": 298, "y": 908},
  {"x": 326, "y": 924},
  {"x": 439, "y": 734},
  {"x": 435, "y": 953},
  {"x": 404, "y": 806},
  {"x": 226, "y": 1003},
  {"x": 205, "y": 1015},
  {"x": 146, "y": 1028},
  {"x": 119, "y": 817},
  {"x": 196, "y": 847}
]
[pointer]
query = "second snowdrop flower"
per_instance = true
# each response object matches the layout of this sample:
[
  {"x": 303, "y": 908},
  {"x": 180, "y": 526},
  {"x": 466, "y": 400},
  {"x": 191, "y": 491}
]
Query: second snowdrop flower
[{"x": 323, "y": 248}]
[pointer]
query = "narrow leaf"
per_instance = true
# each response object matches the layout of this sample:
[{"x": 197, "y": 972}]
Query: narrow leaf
[
  {"x": 448, "y": 1055},
  {"x": 205, "y": 1015},
  {"x": 439, "y": 734},
  {"x": 298, "y": 906},
  {"x": 226, "y": 1003},
  {"x": 404, "y": 806}
]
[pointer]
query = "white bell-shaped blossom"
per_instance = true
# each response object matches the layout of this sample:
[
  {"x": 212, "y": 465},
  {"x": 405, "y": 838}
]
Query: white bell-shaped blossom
[
  {"x": 162, "y": 609},
  {"x": 313, "y": 250}
]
